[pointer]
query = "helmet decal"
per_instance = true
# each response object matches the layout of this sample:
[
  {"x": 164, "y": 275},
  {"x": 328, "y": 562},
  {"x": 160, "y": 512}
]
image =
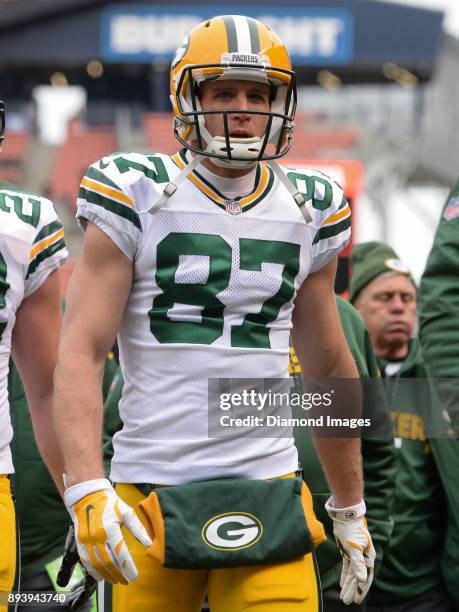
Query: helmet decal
[{"x": 242, "y": 34}]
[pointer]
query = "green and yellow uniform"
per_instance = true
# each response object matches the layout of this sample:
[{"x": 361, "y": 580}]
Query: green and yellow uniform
[
  {"x": 32, "y": 247},
  {"x": 379, "y": 454}
]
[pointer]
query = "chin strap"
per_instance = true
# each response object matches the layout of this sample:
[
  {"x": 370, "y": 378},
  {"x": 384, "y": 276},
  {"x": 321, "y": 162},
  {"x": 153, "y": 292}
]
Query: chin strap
[
  {"x": 172, "y": 187},
  {"x": 297, "y": 196}
]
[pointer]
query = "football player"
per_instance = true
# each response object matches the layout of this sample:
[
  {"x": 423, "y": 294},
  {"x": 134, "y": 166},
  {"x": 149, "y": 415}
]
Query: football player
[
  {"x": 197, "y": 261},
  {"x": 32, "y": 248}
]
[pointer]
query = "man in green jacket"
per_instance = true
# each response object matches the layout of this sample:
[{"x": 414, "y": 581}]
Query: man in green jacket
[
  {"x": 409, "y": 580},
  {"x": 378, "y": 457},
  {"x": 438, "y": 333}
]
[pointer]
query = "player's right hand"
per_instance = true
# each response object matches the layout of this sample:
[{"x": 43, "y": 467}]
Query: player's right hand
[{"x": 98, "y": 515}]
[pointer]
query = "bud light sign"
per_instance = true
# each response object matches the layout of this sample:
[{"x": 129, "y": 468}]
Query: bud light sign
[{"x": 141, "y": 34}]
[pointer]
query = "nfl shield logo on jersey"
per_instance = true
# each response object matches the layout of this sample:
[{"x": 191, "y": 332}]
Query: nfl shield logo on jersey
[
  {"x": 233, "y": 207},
  {"x": 452, "y": 209}
]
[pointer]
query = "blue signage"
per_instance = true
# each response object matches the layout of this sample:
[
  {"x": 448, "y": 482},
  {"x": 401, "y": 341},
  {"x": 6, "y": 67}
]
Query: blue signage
[{"x": 143, "y": 34}]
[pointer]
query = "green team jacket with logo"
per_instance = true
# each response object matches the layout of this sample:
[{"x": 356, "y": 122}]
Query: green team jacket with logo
[
  {"x": 439, "y": 336},
  {"x": 418, "y": 543},
  {"x": 378, "y": 454},
  {"x": 43, "y": 518}
]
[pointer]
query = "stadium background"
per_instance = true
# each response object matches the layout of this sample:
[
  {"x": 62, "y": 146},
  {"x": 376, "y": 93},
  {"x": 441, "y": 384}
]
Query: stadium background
[{"x": 378, "y": 99}]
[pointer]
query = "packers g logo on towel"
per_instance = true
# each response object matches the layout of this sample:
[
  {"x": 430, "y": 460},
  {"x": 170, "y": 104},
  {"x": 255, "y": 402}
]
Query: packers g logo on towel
[{"x": 232, "y": 531}]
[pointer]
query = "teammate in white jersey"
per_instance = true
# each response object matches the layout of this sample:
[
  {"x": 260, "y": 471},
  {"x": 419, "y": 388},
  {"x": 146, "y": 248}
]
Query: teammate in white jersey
[
  {"x": 32, "y": 248},
  {"x": 197, "y": 261}
]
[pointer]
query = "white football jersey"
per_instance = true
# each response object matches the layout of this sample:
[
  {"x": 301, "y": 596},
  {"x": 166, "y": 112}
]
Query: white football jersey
[
  {"x": 31, "y": 247},
  {"x": 212, "y": 297}
]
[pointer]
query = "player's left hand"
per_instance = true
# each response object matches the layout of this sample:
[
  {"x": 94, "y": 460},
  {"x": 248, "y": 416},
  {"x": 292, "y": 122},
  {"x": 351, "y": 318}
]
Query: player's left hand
[{"x": 356, "y": 548}]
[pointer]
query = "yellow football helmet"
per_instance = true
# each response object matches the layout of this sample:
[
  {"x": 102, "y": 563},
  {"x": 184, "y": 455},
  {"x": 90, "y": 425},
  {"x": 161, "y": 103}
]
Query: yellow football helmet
[{"x": 233, "y": 47}]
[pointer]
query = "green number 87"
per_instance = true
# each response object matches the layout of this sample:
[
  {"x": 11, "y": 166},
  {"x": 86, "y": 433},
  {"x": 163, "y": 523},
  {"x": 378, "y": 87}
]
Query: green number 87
[{"x": 254, "y": 331}]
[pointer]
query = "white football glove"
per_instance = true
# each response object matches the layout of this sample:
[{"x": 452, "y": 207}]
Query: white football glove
[
  {"x": 98, "y": 515},
  {"x": 355, "y": 545}
]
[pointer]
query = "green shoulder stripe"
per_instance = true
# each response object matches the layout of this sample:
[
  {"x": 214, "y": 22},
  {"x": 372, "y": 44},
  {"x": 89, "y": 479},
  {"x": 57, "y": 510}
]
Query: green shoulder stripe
[
  {"x": 97, "y": 175},
  {"x": 47, "y": 230},
  {"x": 332, "y": 230},
  {"x": 111, "y": 205},
  {"x": 44, "y": 254}
]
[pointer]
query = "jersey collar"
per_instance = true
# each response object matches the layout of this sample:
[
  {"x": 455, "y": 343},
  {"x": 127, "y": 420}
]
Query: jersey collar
[{"x": 264, "y": 180}]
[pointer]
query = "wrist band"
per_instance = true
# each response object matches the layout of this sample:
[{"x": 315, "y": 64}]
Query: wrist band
[
  {"x": 351, "y": 513},
  {"x": 80, "y": 490}
]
